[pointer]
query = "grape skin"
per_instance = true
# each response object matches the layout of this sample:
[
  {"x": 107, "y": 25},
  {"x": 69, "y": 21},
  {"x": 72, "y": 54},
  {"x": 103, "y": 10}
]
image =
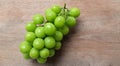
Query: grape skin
[
  {"x": 52, "y": 52},
  {"x": 41, "y": 60},
  {"x": 56, "y": 9},
  {"x": 70, "y": 21},
  {"x": 49, "y": 29},
  {"x": 30, "y": 36},
  {"x": 38, "y": 43},
  {"x": 49, "y": 42},
  {"x": 38, "y": 19},
  {"x": 25, "y": 47},
  {"x": 39, "y": 32},
  {"x": 50, "y": 15},
  {"x": 58, "y": 46},
  {"x": 59, "y": 21},
  {"x": 64, "y": 30},
  {"x": 58, "y": 36},
  {"x": 44, "y": 53},
  {"x": 75, "y": 12},
  {"x": 30, "y": 27},
  {"x": 34, "y": 53}
]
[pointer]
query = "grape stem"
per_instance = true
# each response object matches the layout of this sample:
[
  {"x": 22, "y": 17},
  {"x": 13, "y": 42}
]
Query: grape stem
[
  {"x": 65, "y": 9},
  {"x": 65, "y": 6},
  {"x": 64, "y": 13}
]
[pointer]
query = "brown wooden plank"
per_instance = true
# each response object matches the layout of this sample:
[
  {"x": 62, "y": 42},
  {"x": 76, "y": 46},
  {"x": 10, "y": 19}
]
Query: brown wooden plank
[{"x": 95, "y": 41}]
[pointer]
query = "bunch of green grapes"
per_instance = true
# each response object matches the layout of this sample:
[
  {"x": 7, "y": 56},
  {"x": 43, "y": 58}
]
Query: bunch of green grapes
[{"x": 44, "y": 36}]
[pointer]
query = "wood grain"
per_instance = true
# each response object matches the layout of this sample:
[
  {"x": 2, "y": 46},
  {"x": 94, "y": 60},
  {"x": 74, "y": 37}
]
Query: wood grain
[{"x": 95, "y": 41}]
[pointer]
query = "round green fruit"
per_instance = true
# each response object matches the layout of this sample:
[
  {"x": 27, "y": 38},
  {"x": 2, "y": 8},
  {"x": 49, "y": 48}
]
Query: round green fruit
[
  {"x": 56, "y": 9},
  {"x": 39, "y": 32},
  {"x": 64, "y": 30},
  {"x": 25, "y": 47},
  {"x": 58, "y": 36},
  {"x": 52, "y": 52},
  {"x": 50, "y": 15},
  {"x": 30, "y": 27},
  {"x": 41, "y": 60},
  {"x": 30, "y": 36},
  {"x": 59, "y": 21},
  {"x": 26, "y": 56},
  {"x": 70, "y": 21},
  {"x": 58, "y": 46},
  {"x": 75, "y": 12},
  {"x": 49, "y": 42},
  {"x": 38, "y": 19},
  {"x": 38, "y": 43},
  {"x": 44, "y": 53},
  {"x": 34, "y": 53},
  {"x": 49, "y": 29}
]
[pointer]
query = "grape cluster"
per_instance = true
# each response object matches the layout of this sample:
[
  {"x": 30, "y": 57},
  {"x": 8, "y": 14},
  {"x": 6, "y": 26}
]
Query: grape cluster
[{"x": 44, "y": 36}]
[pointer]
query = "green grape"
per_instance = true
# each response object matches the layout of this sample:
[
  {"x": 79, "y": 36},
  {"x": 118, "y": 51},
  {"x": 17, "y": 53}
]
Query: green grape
[
  {"x": 56, "y": 9},
  {"x": 25, "y": 47},
  {"x": 38, "y": 43},
  {"x": 70, "y": 21},
  {"x": 59, "y": 21},
  {"x": 44, "y": 53},
  {"x": 39, "y": 32},
  {"x": 64, "y": 30},
  {"x": 75, "y": 12},
  {"x": 30, "y": 27},
  {"x": 58, "y": 36},
  {"x": 41, "y": 60},
  {"x": 49, "y": 42},
  {"x": 34, "y": 53},
  {"x": 58, "y": 46},
  {"x": 49, "y": 29},
  {"x": 30, "y": 36},
  {"x": 52, "y": 52},
  {"x": 26, "y": 56},
  {"x": 50, "y": 15},
  {"x": 38, "y": 19}
]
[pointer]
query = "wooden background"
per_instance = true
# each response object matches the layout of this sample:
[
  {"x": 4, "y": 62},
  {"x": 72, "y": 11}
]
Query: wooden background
[{"x": 95, "y": 41}]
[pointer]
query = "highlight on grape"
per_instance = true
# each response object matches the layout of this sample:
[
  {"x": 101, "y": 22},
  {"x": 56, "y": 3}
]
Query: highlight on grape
[{"x": 44, "y": 35}]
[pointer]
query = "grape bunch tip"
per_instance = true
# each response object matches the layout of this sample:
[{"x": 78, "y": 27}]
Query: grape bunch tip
[{"x": 44, "y": 35}]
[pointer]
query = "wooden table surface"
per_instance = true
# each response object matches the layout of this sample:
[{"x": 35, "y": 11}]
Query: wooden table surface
[{"x": 95, "y": 41}]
